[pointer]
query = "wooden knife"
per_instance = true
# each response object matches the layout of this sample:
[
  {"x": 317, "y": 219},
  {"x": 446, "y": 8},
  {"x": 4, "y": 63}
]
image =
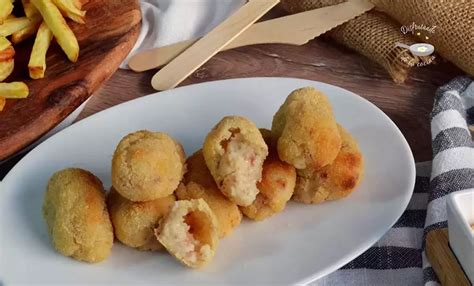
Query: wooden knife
[{"x": 296, "y": 29}]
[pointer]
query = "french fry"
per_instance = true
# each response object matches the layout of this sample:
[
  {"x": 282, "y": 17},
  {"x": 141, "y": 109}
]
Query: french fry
[
  {"x": 7, "y": 52},
  {"x": 13, "y": 25},
  {"x": 15, "y": 90},
  {"x": 6, "y": 8},
  {"x": 69, "y": 9},
  {"x": 3, "y": 101},
  {"x": 61, "y": 31},
  {"x": 6, "y": 68},
  {"x": 4, "y": 43},
  {"x": 30, "y": 9},
  {"x": 37, "y": 64},
  {"x": 33, "y": 14},
  {"x": 7, "y": 62},
  {"x": 28, "y": 31}
]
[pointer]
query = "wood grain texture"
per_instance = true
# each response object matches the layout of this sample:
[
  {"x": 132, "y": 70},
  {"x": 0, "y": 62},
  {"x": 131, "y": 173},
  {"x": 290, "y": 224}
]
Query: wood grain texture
[
  {"x": 111, "y": 29},
  {"x": 408, "y": 104},
  {"x": 295, "y": 29},
  {"x": 209, "y": 45},
  {"x": 443, "y": 260}
]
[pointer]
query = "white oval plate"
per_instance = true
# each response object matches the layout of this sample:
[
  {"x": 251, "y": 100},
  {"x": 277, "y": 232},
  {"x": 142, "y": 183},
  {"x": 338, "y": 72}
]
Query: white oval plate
[{"x": 303, "y": 243}]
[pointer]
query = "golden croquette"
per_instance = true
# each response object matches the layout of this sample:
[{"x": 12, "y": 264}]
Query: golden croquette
[
  {"x": 334, "y": 181},
  {"x": 147, "y": 166},
  {"x": 306, "y": 130},
  {"x": 76, "y": 215},
  {"x": 134, "y": 222}
]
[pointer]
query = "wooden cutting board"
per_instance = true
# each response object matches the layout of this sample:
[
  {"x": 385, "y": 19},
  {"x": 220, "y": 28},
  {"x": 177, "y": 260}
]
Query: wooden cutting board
[{"x": 111, "y": 30}]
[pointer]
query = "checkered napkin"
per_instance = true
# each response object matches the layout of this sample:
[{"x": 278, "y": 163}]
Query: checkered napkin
[{"x": 399, "y": 257}]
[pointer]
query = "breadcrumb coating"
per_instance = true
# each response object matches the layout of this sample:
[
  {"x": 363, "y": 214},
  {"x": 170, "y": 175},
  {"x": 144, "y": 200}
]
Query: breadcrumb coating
[
  {"x": 134, "y": 222},
  {"x": 334, "y": 181},
  {"x": 76, "y": 215},
  {"x": 306, "y": 130},
  {"x": 147, "y": 166}
]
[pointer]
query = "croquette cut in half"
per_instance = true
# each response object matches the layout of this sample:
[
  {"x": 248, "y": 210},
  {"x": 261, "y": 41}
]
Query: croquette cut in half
[
  {"x": 234, "y": 152},
  {"x": 198, "y": 183},
  {"x": 76, "y": 215},
  {"x": 276, "y": 187},
  {"x": 190, "y": 232},
  {"x": 334, "y": 181},
  {"x": 147, "y": 166},
  {"x": 306, "y": 130},
  {"x": 134, "y": 222}
]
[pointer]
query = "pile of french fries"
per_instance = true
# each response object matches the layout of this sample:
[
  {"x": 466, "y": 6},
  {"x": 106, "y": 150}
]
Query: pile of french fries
[{"x": 46, "y": 20}]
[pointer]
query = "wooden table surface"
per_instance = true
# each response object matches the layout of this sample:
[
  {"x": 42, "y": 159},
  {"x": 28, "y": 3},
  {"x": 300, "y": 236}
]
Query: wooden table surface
[{"x": 408, "y": 104}]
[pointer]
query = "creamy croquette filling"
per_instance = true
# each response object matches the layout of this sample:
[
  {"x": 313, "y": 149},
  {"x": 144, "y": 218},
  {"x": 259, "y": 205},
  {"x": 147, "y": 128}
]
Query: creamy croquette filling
[
  {"x": 189, "y": 236},
  {"x": 241, "y": 169}
]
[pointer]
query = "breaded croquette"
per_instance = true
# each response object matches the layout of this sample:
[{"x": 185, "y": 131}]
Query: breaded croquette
[
  {"x": 147, "y": 166},
  {"x": 76, "y": 215},
  {"x": 335, "y": 181},
  {"x": 198, "y": 172},
  {"x": 306, "y": 130},
  {"x": 199, "y": 184},
  {"x": 190, "y": 232},
  {"x": 276, "y": 187},
  {"x": 134, "y": 222},
  {"x": 234, "y": 151}
]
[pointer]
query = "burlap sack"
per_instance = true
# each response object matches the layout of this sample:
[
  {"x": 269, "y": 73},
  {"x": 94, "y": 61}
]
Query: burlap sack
[
  {"x": 453, "y": 37},
  {"x": 372, "y": 34},
  {"x": 296, "y": 6}
]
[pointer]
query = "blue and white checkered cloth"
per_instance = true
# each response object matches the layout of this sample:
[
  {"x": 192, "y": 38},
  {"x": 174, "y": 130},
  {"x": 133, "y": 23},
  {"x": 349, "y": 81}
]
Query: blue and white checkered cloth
[{"x": 399, "y": 257}]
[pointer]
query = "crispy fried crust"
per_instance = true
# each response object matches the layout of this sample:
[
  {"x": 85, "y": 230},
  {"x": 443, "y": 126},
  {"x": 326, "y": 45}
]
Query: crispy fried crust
[
  {"x": 190, "y": 232},
  {"x": 306, "y": 130},
  {"x": 199, "y": 184},
  {"x": 335, "y": 181},
  {"x": 276, "y": 187},
  {"x": 134, "y": 222},
  {"x": 147, "y": 166},
  {"x": 198, "y": 172},
  {"x": 234, "y": 152},
  {"x": 76, "y": 215},
  {"x": 6, "y": 68}
]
